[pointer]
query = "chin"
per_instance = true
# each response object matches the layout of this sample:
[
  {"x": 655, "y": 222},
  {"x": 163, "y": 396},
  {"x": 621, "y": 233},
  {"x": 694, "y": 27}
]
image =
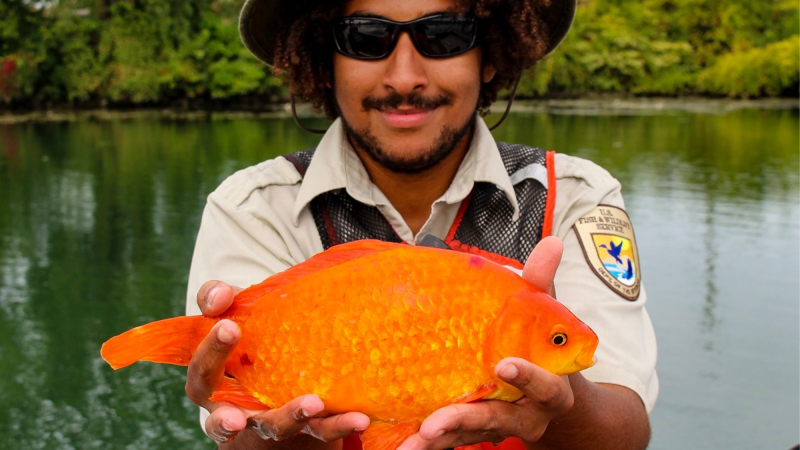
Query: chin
[
  {"x": 395, "y": 155},
  {"x": 407, "y": 150}
]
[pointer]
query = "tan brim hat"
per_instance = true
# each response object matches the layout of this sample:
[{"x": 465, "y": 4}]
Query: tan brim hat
[{"x": 260, "y": 20}]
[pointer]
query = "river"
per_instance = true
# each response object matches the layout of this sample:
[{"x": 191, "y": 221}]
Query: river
[{"x": 98, "y": 220}]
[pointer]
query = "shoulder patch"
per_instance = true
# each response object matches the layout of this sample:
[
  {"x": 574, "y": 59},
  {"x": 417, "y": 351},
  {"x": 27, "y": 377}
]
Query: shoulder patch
[{"x": 607, "y": 240}]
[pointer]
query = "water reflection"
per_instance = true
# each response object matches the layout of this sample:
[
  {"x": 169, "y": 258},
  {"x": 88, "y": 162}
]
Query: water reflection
[
  {"x": 97, "y": 228},
  {"x": 10, "y": 140},
  {"x": 709, "y": 316}
]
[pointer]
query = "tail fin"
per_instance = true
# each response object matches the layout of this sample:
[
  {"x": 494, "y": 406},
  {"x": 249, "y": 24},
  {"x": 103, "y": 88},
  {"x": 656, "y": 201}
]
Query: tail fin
[{"x": 169, "y": 341}]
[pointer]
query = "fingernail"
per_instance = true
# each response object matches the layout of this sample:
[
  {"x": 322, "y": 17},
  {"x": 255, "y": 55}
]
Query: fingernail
[
  {"x": 508, "y": 372},
  {"x": 224, "y": 334},
  {"x": 299, "y": 415},
  {"x": 258, "y": 427},
  {"x": 360, "y": 428},
  {"x": 218, "y": 438},
  {"x": 307, "y": 430},
  {"x": 305, "y": 413},
  {"x": 222, "y": 435},
  {"x": 438, "y": 434},
  {"x": 211, "y": 294}
]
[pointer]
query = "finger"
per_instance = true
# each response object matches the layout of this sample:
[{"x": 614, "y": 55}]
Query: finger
[
  {"x": 546, "y": 390},
  {"x": 541, "y": 266},
  {"x": 488, "y": 420},
  {"x": 416, "y": 442},
  {"x": 225, "y": 422},
  {"x": 208, "y": 363},
  {"x": 449, "y": 441},
  {"x": 215, "y": 297},
  {"x": 329, "y": 429},
  {"x": 286, "y": 421}
]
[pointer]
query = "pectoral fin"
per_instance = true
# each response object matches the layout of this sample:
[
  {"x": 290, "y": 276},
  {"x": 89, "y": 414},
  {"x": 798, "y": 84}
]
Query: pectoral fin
[
  {"x": 481, "y": 393},
  {"x": 388, "y": 436},
  {"x": 229, "y": 390}
]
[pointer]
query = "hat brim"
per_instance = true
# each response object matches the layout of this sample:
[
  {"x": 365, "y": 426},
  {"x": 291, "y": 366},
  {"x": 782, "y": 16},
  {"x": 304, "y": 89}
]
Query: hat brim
[{"x": 260, "y": 20}]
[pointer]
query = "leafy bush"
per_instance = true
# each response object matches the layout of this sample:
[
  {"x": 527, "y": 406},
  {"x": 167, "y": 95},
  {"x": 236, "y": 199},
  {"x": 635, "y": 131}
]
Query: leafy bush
[
  {"x": 760, "y": 72},
  {"x": 155, "y": 51},
  {"x": 668, "y": 47}
]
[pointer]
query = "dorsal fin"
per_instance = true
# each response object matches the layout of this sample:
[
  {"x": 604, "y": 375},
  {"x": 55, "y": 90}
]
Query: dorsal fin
[{"x": 333, "y": 256}]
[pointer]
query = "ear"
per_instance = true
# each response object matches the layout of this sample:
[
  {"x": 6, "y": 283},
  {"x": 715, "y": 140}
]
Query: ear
[{"x": 488, "y": 73}]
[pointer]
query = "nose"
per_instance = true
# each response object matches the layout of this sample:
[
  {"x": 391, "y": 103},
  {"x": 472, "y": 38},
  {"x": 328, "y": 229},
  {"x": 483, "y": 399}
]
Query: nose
[{"x": 405, "y": 71}]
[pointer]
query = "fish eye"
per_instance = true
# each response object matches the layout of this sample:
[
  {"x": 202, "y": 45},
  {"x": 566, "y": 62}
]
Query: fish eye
[{"x": 559, "y": 339}]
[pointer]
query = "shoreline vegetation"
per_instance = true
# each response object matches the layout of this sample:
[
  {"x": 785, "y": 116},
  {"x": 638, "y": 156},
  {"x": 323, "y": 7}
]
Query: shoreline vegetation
[
  {"x": 76, "y": 55},
  {"x": 629, "y": 106}
]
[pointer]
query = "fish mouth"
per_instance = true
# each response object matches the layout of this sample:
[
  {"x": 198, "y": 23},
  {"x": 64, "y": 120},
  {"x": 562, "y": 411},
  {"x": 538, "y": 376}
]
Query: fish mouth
[
  {"x": 586, "y": 357},
  {"x": 583, "y": 360}
]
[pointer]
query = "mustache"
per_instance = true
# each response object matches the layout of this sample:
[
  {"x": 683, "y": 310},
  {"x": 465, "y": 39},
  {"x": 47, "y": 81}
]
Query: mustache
[{"x": 413, "y": 100}]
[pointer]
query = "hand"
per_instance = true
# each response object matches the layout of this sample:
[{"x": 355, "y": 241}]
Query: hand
[
  {"x": 547, "y": 396},
  {"x": 227, "y": 420}
]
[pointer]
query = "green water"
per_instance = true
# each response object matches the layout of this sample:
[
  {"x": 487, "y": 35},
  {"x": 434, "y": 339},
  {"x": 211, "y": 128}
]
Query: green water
[{"x": 98, "y": 219}]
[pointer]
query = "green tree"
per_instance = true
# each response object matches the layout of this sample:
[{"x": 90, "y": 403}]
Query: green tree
[
  {"x": 134, "y": 52},
  {"x": 668, "y": 47}
]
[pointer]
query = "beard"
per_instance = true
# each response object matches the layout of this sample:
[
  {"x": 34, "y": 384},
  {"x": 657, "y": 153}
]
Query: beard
[{"x": 420, "y": 161}]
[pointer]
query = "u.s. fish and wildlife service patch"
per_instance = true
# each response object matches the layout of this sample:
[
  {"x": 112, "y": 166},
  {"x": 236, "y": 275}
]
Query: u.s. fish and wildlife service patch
[{"x": 607, "y": 240}]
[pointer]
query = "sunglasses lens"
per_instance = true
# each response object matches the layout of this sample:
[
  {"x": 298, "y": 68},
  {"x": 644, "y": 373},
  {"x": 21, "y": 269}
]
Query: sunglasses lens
[
  {"x": 445, "y": 36},
  {"x": 364, "y": 38},
  {"x": 436, "y": 37}
]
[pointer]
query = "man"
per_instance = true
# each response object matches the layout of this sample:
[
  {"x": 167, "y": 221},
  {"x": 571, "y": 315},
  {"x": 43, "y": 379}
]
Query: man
[{"x": 408, "y": 157}]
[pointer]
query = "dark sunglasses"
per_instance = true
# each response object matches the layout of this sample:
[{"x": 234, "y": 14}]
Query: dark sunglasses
[{"x": 438, "y": 36}]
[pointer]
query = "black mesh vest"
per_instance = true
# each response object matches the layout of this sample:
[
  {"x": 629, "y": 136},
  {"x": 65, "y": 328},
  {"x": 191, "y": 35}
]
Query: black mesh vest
[{"x": 485, "y": 224}]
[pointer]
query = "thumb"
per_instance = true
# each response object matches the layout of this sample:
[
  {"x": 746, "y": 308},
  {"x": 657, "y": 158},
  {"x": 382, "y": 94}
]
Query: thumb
[
  {"x": 215, "y": 297},
  {"x": 540, "y": 269}
]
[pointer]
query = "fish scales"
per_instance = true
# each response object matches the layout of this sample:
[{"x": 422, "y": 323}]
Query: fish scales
[{"x": 378, "y": 339}]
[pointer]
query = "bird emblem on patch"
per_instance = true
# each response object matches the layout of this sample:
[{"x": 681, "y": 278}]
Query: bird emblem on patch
[{"x": 607, "y": 240}]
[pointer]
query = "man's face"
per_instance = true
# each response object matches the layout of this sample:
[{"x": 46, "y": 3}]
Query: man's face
[{"x": 406, "y": 111}]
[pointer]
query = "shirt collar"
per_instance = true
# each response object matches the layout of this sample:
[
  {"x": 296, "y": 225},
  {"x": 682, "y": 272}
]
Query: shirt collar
[{"x": 336, "y": 165}]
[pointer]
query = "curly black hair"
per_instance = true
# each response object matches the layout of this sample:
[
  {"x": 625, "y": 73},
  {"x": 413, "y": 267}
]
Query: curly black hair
[{"x": 513, "y": 39}]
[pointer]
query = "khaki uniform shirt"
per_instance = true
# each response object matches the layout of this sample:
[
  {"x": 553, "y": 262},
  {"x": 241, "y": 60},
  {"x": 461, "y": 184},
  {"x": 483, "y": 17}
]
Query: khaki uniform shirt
[{"x": 258, "y": 222}]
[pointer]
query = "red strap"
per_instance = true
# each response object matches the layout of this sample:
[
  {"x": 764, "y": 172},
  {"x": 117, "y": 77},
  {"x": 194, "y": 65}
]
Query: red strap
[
  {"x": 330, "y": 229},
  {"x": 508, "y": 444},
  {"x": 550, "y": 205},
  {"x": 457, "y": 222}
]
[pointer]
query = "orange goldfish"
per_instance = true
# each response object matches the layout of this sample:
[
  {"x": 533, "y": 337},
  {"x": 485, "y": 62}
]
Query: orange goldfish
[{"x": 390, "y": 330}]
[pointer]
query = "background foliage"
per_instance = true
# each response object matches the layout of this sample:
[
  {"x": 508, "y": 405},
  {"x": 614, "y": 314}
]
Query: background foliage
[
  {"x": 145, "y": 52},
  {"x": 735, "y": 48}
]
